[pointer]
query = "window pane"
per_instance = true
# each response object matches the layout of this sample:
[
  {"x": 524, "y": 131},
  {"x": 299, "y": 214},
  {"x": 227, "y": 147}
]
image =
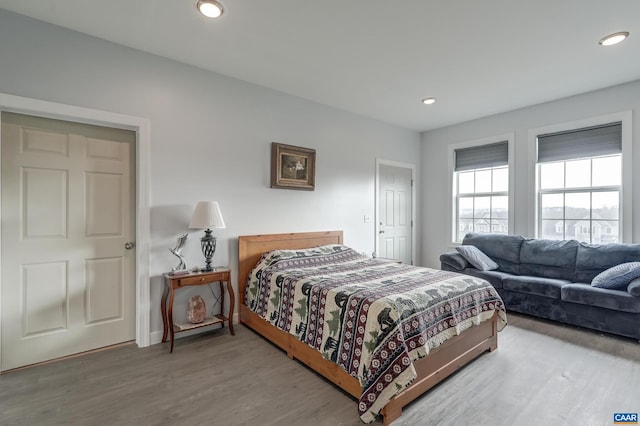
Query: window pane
[
  {"x": 582, "y": 230},
  {"x": 464, "y": 226},
  {"x": 499, "y": 226},
  {"x": 578, "y": 205},
  {"x": 605, "y": 205},
  {"x": 607, "y": 171},
  {"x": 482, "y": 226},
  {"x": 606, "y": 232},
  {"x": 572, "y": 230},
  {"x": 465, "y": 207},
  {"x": 552, "y": 229},
  {"x": 578, "y": 173},
  {"x": 552, "y": 175},
  {"x": 500, "y": 207},
  {"x": 552, "y": 206},
  {"x": 465, "y": 182},
  {"x": 482, "y": 206},
  {"x": 501, "y": 179},
  {"x": 483, "y": 181}
]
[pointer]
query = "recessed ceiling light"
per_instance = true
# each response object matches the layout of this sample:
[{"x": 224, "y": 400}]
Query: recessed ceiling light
[
  {"x": 210, "y": 8},
  {"x": 429, "y": 101},
  {"x": 614, "y": 38}
]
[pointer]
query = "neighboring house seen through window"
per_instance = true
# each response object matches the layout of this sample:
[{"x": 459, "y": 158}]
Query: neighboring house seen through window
[
  {"x": 481, "y": 187},
  {"x": 579, "y": 175}
]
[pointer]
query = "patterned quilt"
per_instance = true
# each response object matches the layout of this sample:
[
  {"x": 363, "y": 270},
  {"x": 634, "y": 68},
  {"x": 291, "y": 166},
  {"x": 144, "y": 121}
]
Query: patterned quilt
[{"x": 371, "y": 317}]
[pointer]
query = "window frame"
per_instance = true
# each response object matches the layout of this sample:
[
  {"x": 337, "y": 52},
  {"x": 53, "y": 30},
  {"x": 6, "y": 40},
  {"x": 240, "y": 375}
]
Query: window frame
[
  {"x": 626, "y": 188},
  {"x": 458, "y": 196},
  {"x": 579, "y": 190},
  {"x": 452, "y": 213}
]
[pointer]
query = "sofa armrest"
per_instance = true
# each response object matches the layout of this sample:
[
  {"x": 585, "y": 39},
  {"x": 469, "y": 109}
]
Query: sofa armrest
[{"x": 454, "y": 261}]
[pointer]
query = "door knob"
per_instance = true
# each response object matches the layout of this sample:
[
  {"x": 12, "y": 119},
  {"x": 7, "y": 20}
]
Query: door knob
[
  {"x": 381, "y": 232},
  {"x": 129, "y": 245}
]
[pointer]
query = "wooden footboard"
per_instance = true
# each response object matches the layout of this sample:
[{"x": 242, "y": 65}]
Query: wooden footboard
[{"x": 441, "y": 362}]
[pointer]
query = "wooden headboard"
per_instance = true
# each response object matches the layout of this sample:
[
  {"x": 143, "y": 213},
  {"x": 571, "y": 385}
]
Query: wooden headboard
[{"x": 251, "y": 247}]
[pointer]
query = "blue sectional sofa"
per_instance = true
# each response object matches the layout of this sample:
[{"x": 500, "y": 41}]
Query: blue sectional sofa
[{"x": 552, "y": 279}]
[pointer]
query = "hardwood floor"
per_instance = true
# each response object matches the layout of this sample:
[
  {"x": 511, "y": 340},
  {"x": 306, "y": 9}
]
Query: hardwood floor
[{"x": 543, "y": 373}]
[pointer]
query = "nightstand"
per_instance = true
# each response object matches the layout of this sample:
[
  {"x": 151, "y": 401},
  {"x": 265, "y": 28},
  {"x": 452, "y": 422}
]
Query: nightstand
[{"x": 174, "y": 282}]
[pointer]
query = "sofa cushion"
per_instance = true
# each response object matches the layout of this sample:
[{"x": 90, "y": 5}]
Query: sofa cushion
[
  {"x": 477, "y": 258},
  {"x": 494, "y": 277},
  {"x": 503, "y": 249},
  {"x": 617, "y": 277},
  {"x": 585, "y": 294},
  {"x": 549, "y": 258},
  {"x": 547, "y": 287},
  {"x": 634, "y": 288},
  {"x": 592, "y": 259},
  {"x": 454, "y": 260}
]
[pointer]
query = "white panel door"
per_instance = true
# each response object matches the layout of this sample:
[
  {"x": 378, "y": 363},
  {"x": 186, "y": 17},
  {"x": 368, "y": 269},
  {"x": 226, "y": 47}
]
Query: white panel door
[
  {"x": 68, "y": 283},
  {"x": 395, "y": 209}
]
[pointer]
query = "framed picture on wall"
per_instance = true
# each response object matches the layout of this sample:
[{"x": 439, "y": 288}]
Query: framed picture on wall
[{"x": 293, "y": 167}]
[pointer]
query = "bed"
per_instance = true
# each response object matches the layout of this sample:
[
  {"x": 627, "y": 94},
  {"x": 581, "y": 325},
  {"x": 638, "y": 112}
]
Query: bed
[{"x": 461, "y": 345}]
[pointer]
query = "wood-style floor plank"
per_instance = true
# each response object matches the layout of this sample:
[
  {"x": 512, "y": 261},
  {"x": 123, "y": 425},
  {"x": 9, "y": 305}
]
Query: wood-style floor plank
[{"x": 543, "y": 373}]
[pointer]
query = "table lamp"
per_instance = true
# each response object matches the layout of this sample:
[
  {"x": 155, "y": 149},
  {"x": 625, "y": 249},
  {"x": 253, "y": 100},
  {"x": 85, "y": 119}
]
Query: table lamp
[{"x": 207, "y": 215}]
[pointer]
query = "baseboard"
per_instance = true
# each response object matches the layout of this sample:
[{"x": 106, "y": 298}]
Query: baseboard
[{"x": 155, "y": 337}]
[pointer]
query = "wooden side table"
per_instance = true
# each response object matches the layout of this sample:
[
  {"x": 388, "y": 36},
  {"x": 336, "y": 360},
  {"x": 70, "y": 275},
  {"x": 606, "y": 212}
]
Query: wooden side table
[{"x": 175, "y": 282}]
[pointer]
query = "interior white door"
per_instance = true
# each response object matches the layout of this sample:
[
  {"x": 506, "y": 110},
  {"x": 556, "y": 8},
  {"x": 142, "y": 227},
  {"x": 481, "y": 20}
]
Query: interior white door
[
  {"x": 395, "y": 210},
  {"x": 68, "y": 283}
]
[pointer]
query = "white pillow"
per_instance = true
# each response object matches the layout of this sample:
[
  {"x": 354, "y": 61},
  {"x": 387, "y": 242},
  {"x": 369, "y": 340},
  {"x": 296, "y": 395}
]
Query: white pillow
[{"x": 477, "y": 258}]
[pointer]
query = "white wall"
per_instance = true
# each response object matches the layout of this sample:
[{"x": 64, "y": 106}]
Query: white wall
[
  {"x": 210, "y": 140},
  {"x": 436, "y": 238}
]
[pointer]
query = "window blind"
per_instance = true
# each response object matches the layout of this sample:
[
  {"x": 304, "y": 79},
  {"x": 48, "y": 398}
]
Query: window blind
[
  {"x": 580, "y": 143},
  {"x": 480, "y": 157}
]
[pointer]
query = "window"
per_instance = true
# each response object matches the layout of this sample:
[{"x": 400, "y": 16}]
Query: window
[
  {"x": 481, "y": 188},
  {"x": 580, "y": 184}
]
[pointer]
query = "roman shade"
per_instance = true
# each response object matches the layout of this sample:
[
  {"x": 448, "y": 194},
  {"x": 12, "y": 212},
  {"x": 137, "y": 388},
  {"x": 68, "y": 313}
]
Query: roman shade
[
  {"x": 483, "y": 156},
  {"x": 580, "y": 143}
]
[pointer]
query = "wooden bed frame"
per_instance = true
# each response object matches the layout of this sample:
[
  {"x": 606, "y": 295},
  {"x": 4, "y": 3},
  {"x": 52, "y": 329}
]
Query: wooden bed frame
[{"x": 441, "y": 362}]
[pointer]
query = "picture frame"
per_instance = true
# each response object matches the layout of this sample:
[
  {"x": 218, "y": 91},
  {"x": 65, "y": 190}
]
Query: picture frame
[{"x": 293, "y": 167}]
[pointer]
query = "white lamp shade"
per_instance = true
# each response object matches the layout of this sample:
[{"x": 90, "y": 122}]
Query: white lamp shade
[{"x": 207, "y": 215}]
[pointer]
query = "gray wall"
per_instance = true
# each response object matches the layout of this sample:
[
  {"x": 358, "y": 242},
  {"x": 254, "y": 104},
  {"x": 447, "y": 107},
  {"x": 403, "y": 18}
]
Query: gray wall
[
  {"x": 210, "y": 140},
  {"x": 436, "y": 238}
]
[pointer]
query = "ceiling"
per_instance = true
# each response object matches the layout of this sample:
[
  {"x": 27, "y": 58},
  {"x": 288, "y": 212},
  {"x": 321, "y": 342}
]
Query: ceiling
[{"x": 380, "y": 58}]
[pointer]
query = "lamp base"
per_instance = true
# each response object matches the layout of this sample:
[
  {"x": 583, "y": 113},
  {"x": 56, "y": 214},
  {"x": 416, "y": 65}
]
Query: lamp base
[{"x": 208, "y": 244}]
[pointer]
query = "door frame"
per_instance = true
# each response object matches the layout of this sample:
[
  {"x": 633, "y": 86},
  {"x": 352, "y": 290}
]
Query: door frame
[
  {"x": 36, "y": 107},
  {"x": 376, "y": 226}
]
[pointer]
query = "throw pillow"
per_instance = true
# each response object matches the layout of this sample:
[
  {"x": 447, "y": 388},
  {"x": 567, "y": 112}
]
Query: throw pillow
[
  {"x": 617, "y": 277},
  {"x": 634, "y": 287},
  {"x": 477, "y": 258}
]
